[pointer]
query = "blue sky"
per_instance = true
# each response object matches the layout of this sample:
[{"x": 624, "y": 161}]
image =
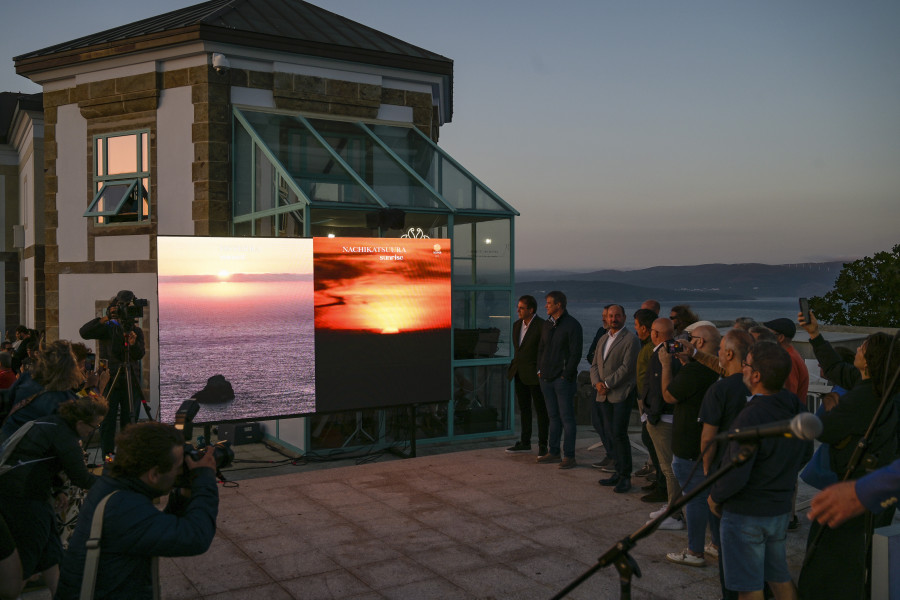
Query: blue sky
[{"x": 633, "y": 134}]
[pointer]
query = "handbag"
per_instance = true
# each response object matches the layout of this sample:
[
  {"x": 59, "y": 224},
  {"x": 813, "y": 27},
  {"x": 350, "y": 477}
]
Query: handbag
[{"x": 817, "y": 471}]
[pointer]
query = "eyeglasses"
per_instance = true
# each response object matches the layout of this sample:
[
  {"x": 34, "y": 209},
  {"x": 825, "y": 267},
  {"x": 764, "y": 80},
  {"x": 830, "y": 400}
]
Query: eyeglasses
[
  {"x": 696, "y": 337},
  {"x": 744, "y": 363}
]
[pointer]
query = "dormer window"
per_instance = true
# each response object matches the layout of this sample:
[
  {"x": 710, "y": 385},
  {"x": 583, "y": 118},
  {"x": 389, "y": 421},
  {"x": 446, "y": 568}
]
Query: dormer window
[{"x": 121, "y": 178}]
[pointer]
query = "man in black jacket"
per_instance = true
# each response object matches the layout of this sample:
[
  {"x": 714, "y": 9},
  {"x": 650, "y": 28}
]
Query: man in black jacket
[
  {"x": 523, "y": 372},
  {"x": 558, "y": 356},
  {"x": 149, "y": 459},
  {"x": 124, "y": 347},
  {"x": 660, "y": 414}
]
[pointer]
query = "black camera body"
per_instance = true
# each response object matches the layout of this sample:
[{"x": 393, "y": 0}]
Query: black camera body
[
  {"x": 184, "y": 422},
  {"x": 127, "y": 308}
]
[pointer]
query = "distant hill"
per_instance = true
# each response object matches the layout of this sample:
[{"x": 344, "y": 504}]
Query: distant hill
[
  {"x": 604, "y": 292},
  {"x": 699, "y": 282}
]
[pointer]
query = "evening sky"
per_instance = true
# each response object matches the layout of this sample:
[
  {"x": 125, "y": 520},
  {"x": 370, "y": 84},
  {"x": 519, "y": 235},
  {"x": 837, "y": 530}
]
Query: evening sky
[{"x": 632, "y": 134}]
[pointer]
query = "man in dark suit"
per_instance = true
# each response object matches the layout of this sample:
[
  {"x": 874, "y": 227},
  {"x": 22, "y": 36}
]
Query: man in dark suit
[{"x": 523, "y": 372}]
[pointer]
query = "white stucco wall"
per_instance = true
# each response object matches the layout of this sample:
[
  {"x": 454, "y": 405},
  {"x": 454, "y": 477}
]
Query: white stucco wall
[
  {"x": 122, "y": 247},
  {"x": 26, "y": 200},
  {"x": 174, "y": 157},
  {"x": 26, "y": 292},
  {"x": 77, "y": 296},
  {"x": 71, "y": 140}
]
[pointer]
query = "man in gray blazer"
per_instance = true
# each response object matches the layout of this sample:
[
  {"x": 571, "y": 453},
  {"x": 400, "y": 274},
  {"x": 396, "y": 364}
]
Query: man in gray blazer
[
  {"x": 613, "y": 376},
  {"x": 523, "y": 372}
]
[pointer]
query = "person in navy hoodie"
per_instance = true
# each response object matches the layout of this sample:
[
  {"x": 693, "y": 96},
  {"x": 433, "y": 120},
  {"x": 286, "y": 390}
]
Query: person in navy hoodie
[{"x": 754, "y": 500}]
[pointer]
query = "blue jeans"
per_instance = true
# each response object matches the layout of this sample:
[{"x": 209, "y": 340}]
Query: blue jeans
[
  {"x": 696, "y": 512},
  {"x": 559, "y": 395},
  {"x": 615, "y": 420},
  {"x": 753, "y": 550}
]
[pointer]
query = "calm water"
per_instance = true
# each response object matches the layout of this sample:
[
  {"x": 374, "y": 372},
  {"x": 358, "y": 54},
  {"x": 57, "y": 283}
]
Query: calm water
[
  {"x": 590, "y": 315},
  {"x": 258, "y": 335}
]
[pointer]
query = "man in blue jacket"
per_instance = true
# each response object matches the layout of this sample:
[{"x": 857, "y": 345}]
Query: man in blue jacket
[
  {"x": 149, "y": 459},
  {"x": 755, "y": 499},
  {"x": 875, "y": 492}
]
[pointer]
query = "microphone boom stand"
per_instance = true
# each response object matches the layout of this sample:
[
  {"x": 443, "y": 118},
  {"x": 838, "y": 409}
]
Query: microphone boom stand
[{"x": 618, "y": 554}]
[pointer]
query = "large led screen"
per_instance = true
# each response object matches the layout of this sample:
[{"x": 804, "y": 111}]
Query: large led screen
[
  {"x": 258, "y": 328},
  {"x": 382, "y": 321}
]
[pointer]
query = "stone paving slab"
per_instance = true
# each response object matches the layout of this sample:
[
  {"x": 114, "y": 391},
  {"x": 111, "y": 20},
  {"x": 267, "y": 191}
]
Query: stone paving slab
[{"x": 477, "y": 524}]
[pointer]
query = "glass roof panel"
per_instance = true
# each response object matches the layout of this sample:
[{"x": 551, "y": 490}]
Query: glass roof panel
[
  {"x": 381, "y": 172},
  {"x": 312, "y": 166},
  {"x": 339, "y": 162},
  {"x": 455, "y": 185}
]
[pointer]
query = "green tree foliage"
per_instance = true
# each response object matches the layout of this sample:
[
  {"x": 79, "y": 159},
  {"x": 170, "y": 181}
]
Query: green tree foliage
[{"x": 866, "y": 293}]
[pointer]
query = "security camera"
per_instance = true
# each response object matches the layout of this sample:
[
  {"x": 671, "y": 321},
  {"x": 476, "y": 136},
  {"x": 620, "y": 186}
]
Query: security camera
[{"x": 220, "y": 62}]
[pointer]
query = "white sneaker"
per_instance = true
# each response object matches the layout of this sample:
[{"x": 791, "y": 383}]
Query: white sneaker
[
  {"x": 711, "y": 550},
  {"x": 672, "y": 524},
  {"x": 656, "y": 513}
]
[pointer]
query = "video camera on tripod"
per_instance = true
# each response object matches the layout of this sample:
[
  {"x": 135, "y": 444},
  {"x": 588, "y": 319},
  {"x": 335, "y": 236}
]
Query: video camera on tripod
[{"x": 125, "y": 309}]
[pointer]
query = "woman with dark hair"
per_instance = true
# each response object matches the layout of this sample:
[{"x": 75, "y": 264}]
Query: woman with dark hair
[
  {"x": 836, "y": 567},
  {"x": 50, "y": 445},
  {"x": 682, "y": 316},
  {"x": 55, "y": 375}
]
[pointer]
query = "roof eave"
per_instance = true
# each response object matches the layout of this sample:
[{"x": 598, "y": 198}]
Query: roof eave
[{"x": 28, "y": 65}]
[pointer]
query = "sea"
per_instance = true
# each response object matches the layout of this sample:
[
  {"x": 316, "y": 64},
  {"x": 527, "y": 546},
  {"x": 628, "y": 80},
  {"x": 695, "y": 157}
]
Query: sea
[
  {"x": 259, "y": 336},
  {"x": 590, "y": 315}
]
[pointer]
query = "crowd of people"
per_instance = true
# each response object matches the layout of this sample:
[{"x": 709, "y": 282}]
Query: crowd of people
[
  {"x": 691, "y": 384},
  {"x": 53, "y": 403}
]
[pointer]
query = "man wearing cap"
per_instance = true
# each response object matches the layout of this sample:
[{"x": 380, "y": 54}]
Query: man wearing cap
[{"x": 798, "y": 381}]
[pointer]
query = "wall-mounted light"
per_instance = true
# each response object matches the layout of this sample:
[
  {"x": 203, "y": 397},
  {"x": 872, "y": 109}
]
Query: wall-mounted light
[
  {"x": 220, "y": 62},
  {"x": 487, "y": 240}
]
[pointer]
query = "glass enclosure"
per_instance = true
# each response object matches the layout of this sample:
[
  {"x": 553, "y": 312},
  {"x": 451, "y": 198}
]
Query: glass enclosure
[{"x": 299, "y": 176}]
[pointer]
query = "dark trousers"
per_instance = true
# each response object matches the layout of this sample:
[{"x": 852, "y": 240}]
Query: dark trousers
[
  {"x": 117, "y": 398},
  {"x": 598, "y": 422},
  {"x": 615, "y": 420},
  {"x": 526, "y": 397}
]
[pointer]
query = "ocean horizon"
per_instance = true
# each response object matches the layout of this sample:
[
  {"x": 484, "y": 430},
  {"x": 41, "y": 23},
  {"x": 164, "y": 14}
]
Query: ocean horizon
[{"x": 259, "y": 336}]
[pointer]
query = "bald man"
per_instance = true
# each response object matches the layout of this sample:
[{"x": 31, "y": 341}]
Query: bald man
[
  {"x": 685, "y": 391},
  {"x": 660, "y": 414}
]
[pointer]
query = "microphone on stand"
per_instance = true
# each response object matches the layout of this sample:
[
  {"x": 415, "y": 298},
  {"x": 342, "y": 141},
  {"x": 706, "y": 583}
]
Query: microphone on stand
[{"x": 805, "y": 426}]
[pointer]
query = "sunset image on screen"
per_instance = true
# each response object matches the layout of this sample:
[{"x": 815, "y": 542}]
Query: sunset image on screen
[
  {"x": 239, "y": 309},
  {"x": 383, "y": 321},
  {"x": 382, "y": 286}
]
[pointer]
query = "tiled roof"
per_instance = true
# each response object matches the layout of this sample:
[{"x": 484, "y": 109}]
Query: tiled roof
[{"x": 286, "y": 25}]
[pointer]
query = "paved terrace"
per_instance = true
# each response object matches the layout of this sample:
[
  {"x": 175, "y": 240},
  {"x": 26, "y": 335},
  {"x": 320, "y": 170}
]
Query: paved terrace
[{"x": 468, "y": 523}]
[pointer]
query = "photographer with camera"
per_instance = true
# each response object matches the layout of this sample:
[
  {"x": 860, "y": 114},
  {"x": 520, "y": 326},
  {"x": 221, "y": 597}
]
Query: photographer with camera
[
  {"x": 28, "y": 477},
  {"x": 124, "y": 347},
  {"x": 150, "y": 459},
  {"x": 36, "y": 395}
]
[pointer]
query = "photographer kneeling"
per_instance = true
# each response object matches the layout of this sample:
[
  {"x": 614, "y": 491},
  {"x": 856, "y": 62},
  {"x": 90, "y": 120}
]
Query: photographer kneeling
[{"x": 149, "y": 460}]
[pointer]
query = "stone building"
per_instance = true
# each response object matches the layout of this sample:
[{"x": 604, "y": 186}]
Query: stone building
[{"x": 264, "y": 118}]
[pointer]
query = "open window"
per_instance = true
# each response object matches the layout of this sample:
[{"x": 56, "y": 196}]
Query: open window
[{"x": 121, "y": 178}]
